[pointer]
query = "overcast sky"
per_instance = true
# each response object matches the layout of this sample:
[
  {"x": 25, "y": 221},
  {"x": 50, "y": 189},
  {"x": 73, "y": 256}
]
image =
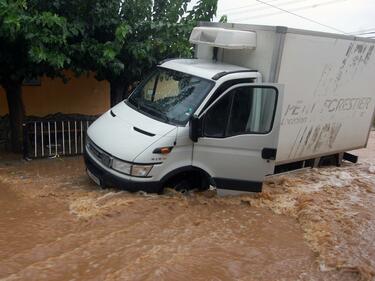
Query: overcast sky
[{"x": 349, "y": 16}]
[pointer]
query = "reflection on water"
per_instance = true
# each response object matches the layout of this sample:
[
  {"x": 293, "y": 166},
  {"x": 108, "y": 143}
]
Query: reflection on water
[{"x": 310, "y": 225}]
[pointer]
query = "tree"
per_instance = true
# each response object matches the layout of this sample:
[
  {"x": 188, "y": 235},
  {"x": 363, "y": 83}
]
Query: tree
[
  {"x": 121, "y": 40},
  {"x": 32, "y": 44},
  {"x": 159, "y": 29},
  {"x": 97, "y": 34}
]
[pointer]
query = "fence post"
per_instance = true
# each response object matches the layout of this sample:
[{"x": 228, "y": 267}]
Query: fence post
[{"x": 25, "y": 144}]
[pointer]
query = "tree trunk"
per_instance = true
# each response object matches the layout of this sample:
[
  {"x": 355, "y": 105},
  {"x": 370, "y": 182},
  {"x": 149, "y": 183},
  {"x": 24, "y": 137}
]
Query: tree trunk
[
  {"x": 118, "y": 91},
  {"x": 16, "y": 108}
]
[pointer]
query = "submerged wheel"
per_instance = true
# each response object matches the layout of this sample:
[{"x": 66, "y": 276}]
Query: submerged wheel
[
  {"x": 188, "y": 181},
  {"x": 182, "y": 185}
]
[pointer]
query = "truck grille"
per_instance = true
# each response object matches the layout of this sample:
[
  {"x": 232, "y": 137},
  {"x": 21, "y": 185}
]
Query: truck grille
[{"x": 99, "y": 154}]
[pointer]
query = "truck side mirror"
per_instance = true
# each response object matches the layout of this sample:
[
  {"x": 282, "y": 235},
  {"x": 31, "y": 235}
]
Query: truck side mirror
[{"x": 195, "y": 128}]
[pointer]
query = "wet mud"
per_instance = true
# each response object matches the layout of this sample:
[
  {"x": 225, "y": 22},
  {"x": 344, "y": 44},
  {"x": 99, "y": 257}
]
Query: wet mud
[{"x": 315, "y": 224}]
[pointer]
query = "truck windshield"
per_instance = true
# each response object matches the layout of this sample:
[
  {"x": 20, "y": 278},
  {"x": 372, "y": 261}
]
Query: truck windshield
[{"x": 170, "y": 96}]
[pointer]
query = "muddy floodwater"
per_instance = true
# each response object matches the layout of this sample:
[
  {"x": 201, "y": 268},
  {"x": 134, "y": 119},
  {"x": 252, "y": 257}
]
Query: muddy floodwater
[{"x": 315, "y": 224}]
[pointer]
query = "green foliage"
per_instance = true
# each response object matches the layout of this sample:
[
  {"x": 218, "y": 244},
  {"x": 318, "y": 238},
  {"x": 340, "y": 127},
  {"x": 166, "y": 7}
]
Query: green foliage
[
  {"x": 10, "y": 18},
  {"x": 202, "y": 11},
  {"x": 224, "y": 19},
  {"x": 33, "y": 43},
  {"x": 160, "y": 29},
  {"x": 120, "y": 40},
  {"x": 96, "y": 33}
]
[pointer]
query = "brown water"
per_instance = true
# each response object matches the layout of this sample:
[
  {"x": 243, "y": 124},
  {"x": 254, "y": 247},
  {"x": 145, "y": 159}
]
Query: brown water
[{"x": 312, "y": 225}]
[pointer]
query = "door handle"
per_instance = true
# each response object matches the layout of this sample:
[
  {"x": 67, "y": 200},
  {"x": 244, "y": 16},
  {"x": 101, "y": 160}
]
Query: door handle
[{"x": 269, "y": 153}]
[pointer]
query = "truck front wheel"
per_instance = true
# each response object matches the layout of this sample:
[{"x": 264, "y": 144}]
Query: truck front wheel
[
  {"x": 188, "y": 180},
  {"x": 182, "y": 185}
]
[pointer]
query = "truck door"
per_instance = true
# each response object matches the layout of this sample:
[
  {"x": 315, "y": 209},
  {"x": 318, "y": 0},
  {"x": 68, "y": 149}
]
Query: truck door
[{"x": 239, "y": 136}]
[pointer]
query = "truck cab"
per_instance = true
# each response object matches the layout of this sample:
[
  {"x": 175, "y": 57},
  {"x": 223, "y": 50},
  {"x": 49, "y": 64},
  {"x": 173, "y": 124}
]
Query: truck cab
[{"x": 190, "y": 123}]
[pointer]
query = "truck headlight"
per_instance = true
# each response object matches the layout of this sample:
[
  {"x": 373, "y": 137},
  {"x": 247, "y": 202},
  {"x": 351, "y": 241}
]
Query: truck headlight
[
  {"x": 121, "y": 166},
  {"x": 141, "y": 170}
]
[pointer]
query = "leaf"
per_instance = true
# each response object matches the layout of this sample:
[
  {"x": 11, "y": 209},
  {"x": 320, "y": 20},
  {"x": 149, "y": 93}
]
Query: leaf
[
  {"x": 109, "y": 54},
  {"x": 223, "y": 19},
  {"x": 121, "y": 31}
]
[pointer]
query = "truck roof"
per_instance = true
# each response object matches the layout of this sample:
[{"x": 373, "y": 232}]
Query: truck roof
[{"x": 201, "y": 68}]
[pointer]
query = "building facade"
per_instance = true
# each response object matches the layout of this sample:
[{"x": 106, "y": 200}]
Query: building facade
[{"x": 44, "y": 97}]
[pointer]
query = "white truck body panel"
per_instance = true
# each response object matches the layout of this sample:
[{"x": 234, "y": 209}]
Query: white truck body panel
[
  {"x": 329, "y": 89},
  {"x": 331, "y": 98}
]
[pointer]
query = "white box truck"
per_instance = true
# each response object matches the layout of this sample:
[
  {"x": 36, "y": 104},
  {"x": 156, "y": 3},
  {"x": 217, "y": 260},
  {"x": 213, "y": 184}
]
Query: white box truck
[{"x": 256, "y": 100}]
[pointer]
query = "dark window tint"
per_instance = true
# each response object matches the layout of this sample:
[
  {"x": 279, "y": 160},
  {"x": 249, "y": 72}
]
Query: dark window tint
[
  {"x": 215, "y": 120},
  {"x": 240, "y": 111},
  {"x": 252, "y": 110}
]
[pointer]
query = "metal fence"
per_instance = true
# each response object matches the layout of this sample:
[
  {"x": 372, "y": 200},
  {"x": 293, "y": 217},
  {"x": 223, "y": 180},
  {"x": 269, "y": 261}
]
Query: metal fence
[{"x": 51, "y": 138}]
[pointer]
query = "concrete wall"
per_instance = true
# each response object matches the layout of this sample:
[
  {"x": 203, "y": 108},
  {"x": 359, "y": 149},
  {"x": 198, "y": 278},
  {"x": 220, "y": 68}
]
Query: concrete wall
[{"x": 82, "y": 95}]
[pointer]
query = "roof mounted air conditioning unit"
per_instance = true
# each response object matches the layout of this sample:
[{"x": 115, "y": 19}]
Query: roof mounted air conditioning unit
[{"x": 223, "y": 38}]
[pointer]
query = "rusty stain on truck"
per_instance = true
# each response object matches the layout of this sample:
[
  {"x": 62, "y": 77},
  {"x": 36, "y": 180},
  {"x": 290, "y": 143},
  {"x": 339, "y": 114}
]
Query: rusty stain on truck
[
  {"x": 357, "y": 55},
  {"x": 369, "y": 53},
  {"x": 314, "y": 138},
  {"x": 354, "y": 60}
]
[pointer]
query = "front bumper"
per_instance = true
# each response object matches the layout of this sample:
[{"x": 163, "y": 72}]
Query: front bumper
[{"x": 109, "y": 180}]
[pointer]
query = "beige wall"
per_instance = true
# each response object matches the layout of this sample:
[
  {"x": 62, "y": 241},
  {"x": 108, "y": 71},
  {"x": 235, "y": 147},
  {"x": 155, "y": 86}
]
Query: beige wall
[{"x": 83, "y": 95}]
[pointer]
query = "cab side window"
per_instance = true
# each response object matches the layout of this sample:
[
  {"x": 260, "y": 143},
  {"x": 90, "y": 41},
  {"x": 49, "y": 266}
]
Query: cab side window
[
  {"x": 244, "y": 110},
  {"x": 252, "y": 111},
  {"x": 215, "y": 120}
]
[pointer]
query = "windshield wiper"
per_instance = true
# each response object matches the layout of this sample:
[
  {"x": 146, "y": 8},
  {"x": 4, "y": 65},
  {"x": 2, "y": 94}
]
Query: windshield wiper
[{"x": 150, "y": 109}]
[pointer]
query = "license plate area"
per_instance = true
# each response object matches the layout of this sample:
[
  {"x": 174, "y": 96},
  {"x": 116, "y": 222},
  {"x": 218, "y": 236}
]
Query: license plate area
[{"x": 93, "y": 177}]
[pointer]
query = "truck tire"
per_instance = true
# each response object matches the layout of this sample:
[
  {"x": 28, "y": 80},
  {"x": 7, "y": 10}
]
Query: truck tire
[
  {"x": 188, "y": 181},
  {"x": 182, "y": 185}
]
